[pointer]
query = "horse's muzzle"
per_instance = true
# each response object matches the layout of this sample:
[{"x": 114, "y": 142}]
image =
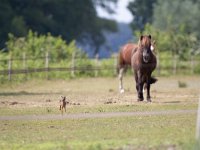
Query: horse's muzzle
[{"x": 146, "y": 58}]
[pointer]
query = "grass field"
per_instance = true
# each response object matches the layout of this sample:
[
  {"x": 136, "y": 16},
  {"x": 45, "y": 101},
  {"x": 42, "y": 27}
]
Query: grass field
[{"x": 99, "y": 95}]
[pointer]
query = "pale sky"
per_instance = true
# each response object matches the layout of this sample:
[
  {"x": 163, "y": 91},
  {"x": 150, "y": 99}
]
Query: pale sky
[{"x": 122, "y": 13}]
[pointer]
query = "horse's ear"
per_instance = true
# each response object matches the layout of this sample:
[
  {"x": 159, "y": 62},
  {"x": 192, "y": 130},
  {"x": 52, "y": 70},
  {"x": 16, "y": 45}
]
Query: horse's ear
[
  {"x": 149, "y": 36},
  {"x": 141, "y": 37},
  {"x": 154, "y": 42}
]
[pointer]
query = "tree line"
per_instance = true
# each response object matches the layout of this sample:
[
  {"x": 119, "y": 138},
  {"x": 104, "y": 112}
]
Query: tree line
[
  {"x": 70, "y": 19},
  {"x": 173, "y": 24}
]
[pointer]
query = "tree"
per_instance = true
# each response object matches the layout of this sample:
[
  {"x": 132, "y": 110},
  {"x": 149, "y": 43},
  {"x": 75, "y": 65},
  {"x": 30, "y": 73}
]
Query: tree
[
  {"x": 72, "y": 19},
  {"x": 180, "y": 20},
  {"x": 174, "y": 15},
  {"x": 142, "y": 11}
]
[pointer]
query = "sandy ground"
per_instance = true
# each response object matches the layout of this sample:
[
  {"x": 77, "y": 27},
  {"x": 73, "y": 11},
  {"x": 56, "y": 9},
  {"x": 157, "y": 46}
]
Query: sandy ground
[{"x": 94, "y": 91}]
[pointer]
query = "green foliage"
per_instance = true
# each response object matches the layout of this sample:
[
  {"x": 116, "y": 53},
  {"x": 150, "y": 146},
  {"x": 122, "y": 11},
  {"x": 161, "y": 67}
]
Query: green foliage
[
  {"x": 37, "y": 45},
  {"x": 29, "y": 53},
  {"x": 142, "y": 11},
  {"x": 172, "y": 15},
  {"x": 181, "y": 43},
  {"x": 72, "y": 19},
  {"x": 179, "y": 24},
  {"x": 182, "y": 47},
  {"x": 174, "y": 25}
]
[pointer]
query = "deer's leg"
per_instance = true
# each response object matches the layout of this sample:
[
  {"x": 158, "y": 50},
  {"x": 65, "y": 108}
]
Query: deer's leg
[{"x": 62, "y": 109}]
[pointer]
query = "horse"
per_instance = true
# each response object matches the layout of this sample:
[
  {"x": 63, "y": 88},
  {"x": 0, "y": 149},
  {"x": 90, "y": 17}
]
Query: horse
[
  {"x": 143, "y": 62},
  {"x": 124, "y": 60}
]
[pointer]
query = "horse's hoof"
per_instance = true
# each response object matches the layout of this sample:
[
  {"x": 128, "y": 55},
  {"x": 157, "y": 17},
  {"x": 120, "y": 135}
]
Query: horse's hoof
[
  {"x": 149, "y": 100},
  {"x": 122, "y": 91},
  {"x": 140, "y": 99}
]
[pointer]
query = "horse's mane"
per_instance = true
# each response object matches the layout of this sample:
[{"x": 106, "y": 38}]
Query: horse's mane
[{"x": 145, "y": 41}]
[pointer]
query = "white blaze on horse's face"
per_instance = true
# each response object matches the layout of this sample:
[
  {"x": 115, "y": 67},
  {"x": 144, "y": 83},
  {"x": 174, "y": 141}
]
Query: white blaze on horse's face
[
  {"x": 152, "y": 48},
  {"x": 146, "y": 54}
]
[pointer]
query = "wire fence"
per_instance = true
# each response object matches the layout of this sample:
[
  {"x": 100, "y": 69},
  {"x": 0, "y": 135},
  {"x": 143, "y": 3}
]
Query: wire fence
[
  {"x": 72, "y": 65},
  {"x": 47, "y": 65}
]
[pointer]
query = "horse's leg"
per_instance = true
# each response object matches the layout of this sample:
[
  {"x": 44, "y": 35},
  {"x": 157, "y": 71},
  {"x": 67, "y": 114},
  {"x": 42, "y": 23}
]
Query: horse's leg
[
  {"x": 145, "y": 87},
  {"x": 140, "y": 88},
  {"x": 136, "y": 81},
  {"x": 148, "y": 85},
  {"x": 140, "y": 92},
  {"x": 121, "y": 88}
]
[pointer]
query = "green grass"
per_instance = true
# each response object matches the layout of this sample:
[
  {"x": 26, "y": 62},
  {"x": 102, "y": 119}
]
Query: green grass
[
  {"x": 136, "y": 132},
  {"x": 95, "y": 109}
]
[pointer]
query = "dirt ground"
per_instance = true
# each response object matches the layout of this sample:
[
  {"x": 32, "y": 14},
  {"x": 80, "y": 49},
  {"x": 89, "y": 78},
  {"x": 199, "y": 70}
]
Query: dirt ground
[{"x": 94, "y": 91}]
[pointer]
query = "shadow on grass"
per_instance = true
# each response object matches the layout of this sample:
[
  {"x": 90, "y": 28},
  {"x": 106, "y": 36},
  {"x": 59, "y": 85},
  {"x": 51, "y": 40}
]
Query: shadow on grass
[{"x": 24, "y": 93}]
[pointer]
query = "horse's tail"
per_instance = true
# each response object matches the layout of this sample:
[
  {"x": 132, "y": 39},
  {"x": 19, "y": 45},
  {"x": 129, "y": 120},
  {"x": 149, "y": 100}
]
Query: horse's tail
[
  {"x": 117, "y": 69},
  {"x": 153, "y": 80}
]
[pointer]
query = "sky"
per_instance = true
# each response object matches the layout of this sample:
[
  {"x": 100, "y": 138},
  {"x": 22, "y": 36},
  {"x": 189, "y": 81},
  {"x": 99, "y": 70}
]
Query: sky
[{"x": 122, "y": 13}]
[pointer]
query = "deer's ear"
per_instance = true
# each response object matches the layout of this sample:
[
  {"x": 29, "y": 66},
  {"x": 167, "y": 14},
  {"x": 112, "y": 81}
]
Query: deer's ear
[
  {"x": 149, "y": 36},
  {"x": 141, "y": 37}
]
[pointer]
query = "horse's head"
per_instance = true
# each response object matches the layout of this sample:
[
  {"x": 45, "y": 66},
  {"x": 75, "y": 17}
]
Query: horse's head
[{"x": 146, "y": 47}]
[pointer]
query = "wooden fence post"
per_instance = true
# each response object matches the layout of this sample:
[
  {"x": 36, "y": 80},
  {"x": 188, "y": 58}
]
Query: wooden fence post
[
  {"x": 24, "y": 64},
  {"x": 192, "y": 64},
  {"x": 96, "y": 65},
  {"x": 158, "y": 63},
  {"x": 175, "y": 64},
  {"x": 47, "y": 65},
  {"x": 73, "y": 65},
  {"x": 9, "y": 68},
  {"x": 198, "y": 123},
  {"x": 197, "y": 146}
]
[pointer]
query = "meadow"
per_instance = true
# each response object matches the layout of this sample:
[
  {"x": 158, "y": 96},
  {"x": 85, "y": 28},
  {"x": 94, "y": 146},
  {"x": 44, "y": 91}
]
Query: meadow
[{"x": 98, "y": 96}]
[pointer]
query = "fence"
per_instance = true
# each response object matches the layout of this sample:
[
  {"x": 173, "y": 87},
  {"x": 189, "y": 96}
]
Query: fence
[
  {"x": 72, "y": 65},
  {"x": 10, "y": 68}
]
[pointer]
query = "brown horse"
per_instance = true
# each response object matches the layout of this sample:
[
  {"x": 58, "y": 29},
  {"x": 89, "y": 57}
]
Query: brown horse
[
  {"x": 124, "y": 61},
  {"x": 143, "y": 62}
]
